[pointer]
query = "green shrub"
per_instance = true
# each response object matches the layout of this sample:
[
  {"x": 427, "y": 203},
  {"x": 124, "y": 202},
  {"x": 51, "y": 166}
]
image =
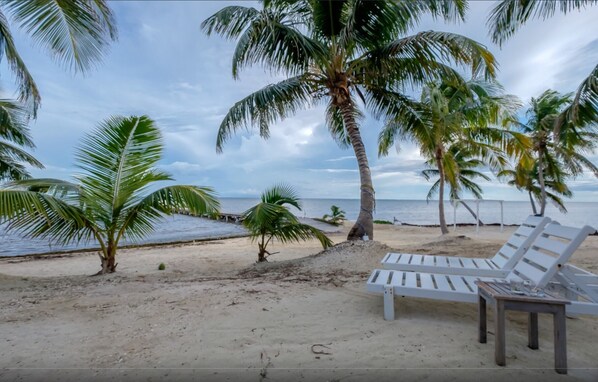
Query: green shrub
[
  {"x": 382, "y": 222},
  {"x": 161, "y": 267}
]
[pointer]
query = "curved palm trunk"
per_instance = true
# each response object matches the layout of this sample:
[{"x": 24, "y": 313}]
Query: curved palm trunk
[
  {"x": 443, "y": 227},
  {"x": 531, "y": 200},
  {"x": 365, "y": 221},
  {"x": 541, "y": 181},
  {"x": 471, "y": 212}
]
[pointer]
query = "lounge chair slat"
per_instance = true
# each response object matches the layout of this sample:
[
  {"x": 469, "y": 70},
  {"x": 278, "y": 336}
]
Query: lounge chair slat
[
  {"x": 550, "y": 245},
  {"x": 459, "y": 284},
  {"x": 442, "y": 261},
  {"x": 429, "y": 260},
  {"x": 563, "y": 232},
  {"x": 392, "y": 258},
  {"x": 524, "y": 230},
  {"x": 530, "y": 272},
  {"x": 517, "y": 241},
  {"x": 539, "y": 258},
  {"x": 482, "y": 264},
  {"x": 442, "y": 283},
  {"x": 410, "y": 280},
  {"x": 426, "y": 282},
  {"x": 490, "y": 264},
  {"x": 468, "y": 263},
  {"x": 454, "y": 262},
  {"x": 416, "y": 259},
  {"x": 396, "y": 278},
  {"x": 404, "y": 259},
  {"x": 383, "y": 277},
  {"x": 386, "y": 257}
]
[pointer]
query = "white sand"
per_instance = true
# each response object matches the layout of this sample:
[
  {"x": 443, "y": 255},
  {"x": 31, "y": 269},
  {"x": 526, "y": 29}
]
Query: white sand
[{"x": 214, "y": 315}]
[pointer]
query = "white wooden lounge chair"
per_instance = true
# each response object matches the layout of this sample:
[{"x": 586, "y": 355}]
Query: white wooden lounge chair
[
  {"x": 540, "y": 263},
  {"x": 579, "y": 286},
  {"x": 498, "y": 266}
]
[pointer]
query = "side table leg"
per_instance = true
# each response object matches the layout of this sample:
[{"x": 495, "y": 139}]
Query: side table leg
[
  {"x": 482, "y": 320},
  {"x": 499, "y": 333},
  {"x": 532, "y": 331},
  {"x": 560, "y": 341}
]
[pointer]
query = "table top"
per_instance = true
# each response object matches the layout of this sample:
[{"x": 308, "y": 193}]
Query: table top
[{"x": 502, "y": 291}]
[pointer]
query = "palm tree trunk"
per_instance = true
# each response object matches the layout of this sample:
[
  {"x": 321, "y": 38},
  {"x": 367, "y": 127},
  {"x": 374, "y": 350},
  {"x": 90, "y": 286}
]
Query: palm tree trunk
[
  {"x": 541, "y": 181},
  {"x": 109, "y": 260},
  {"x": 365, "y": 221},
  {"x": 531, "y": 200},
  {"x": 443, "y": 227},
  {"x": 471, "y": 212}
]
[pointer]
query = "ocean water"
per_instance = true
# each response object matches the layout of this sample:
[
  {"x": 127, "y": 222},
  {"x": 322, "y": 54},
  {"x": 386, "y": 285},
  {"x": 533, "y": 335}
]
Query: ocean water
[{"x": 186, "y": 228}]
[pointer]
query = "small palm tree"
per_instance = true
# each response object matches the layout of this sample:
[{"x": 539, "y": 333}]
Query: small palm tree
[
  {"x": 14, "y": 134},
  {"x": 336, "y": 215},
  {"x": 271, "y": 219},
  {"x": 350, "y": 55},
  {"x": 110, "y": 200}
]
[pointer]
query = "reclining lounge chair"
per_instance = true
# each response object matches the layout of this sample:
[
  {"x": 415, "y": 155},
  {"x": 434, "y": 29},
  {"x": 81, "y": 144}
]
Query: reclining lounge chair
[
  {"x": 547, "y": 254},
  {"x": 498, "y": 266}
]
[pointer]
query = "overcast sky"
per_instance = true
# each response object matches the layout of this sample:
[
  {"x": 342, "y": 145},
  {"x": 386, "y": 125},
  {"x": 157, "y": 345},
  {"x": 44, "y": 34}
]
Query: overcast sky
[{"x": 165, "y": 67}]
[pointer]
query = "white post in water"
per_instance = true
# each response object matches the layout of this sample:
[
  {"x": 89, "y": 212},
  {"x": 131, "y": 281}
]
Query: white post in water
[
  {"x": 455, "y": 215},
  {"x": 501, "y": 217},
  {"x": 477, "y": 217}
]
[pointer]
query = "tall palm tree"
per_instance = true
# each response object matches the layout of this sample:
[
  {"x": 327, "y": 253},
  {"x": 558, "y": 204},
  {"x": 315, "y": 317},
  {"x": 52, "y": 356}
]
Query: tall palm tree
[
  {"x": 456, "y": 112},
  {"x": 526, "y": 179},
  {"x": 110, "y": 200},
  {"x": 558, "y": 153},
  {"x": 348, "y": 54},
  {"x": 461, "y": 166},
  {"x": 75, "y": 33},
  {"x": 508, "y": 16},
  {"x": 271, "y": 219},
  {"x": 14, "y": 134}
]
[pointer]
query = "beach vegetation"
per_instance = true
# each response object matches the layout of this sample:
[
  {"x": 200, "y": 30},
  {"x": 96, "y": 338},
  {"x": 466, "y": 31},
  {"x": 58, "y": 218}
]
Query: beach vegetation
[
  {"x": 525, "y": 179},
  {"x": 75, "y": 33},
  {"x": 14, "y": 135},
  {"x": 336, "y": 217},
  {"x": 383, "y": 222},
  {"x": 462, "y": 170},
  {"x": 558, "y": 152},
  {"x": 456, "y": 118},
  {"x": 351, "y": 56},
  {"x": 111, "y": 199},
  {"x": 509, "y": 16},
  {"x": 271, "y": 219},
  {"x": 161, "y": 267}
]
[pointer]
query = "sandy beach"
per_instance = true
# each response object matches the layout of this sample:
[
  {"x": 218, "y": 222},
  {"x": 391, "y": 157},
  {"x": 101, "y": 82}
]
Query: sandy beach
[{"x": 213, "y": 314}]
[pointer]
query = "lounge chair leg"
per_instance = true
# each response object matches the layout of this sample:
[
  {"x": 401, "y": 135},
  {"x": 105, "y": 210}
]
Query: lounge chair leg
[{"x": 389, "y": 303}]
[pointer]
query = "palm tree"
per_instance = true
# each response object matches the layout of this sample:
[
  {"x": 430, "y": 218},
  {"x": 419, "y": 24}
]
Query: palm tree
[
  {"x": 14, "y": 133},
  {"x": 508, "y": 16},
  {"x": 336, "y": 215},
  {"x": 526, "y": 179},
  {"x": 110, "y": 200},
  {"x": 456, "y": 112},
  {"x": 345, "y": 54},
  {"x": 558, "y": 153},
  {"x": 460, "y": 173},
  {"x": 271, "y": 219},
  {"x": 75, "y": 33}
]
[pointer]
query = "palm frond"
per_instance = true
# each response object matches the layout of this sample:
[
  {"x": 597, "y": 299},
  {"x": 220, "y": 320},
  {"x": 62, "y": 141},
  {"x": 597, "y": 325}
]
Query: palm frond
[
  {"x": 281, "y": 194},
  {"x": 265, "y": 107},
  {"x": 76, "y": 33},
  {"x": 508, "y": 15},
  {"x": 28, "y": 91}
]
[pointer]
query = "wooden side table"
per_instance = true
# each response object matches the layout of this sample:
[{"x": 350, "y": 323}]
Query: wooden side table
[{"x": 502, "y": 298}]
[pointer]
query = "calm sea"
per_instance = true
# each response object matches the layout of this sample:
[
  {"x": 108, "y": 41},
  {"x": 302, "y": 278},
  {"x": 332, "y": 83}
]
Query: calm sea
[{"x": 185, "y": 228}]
